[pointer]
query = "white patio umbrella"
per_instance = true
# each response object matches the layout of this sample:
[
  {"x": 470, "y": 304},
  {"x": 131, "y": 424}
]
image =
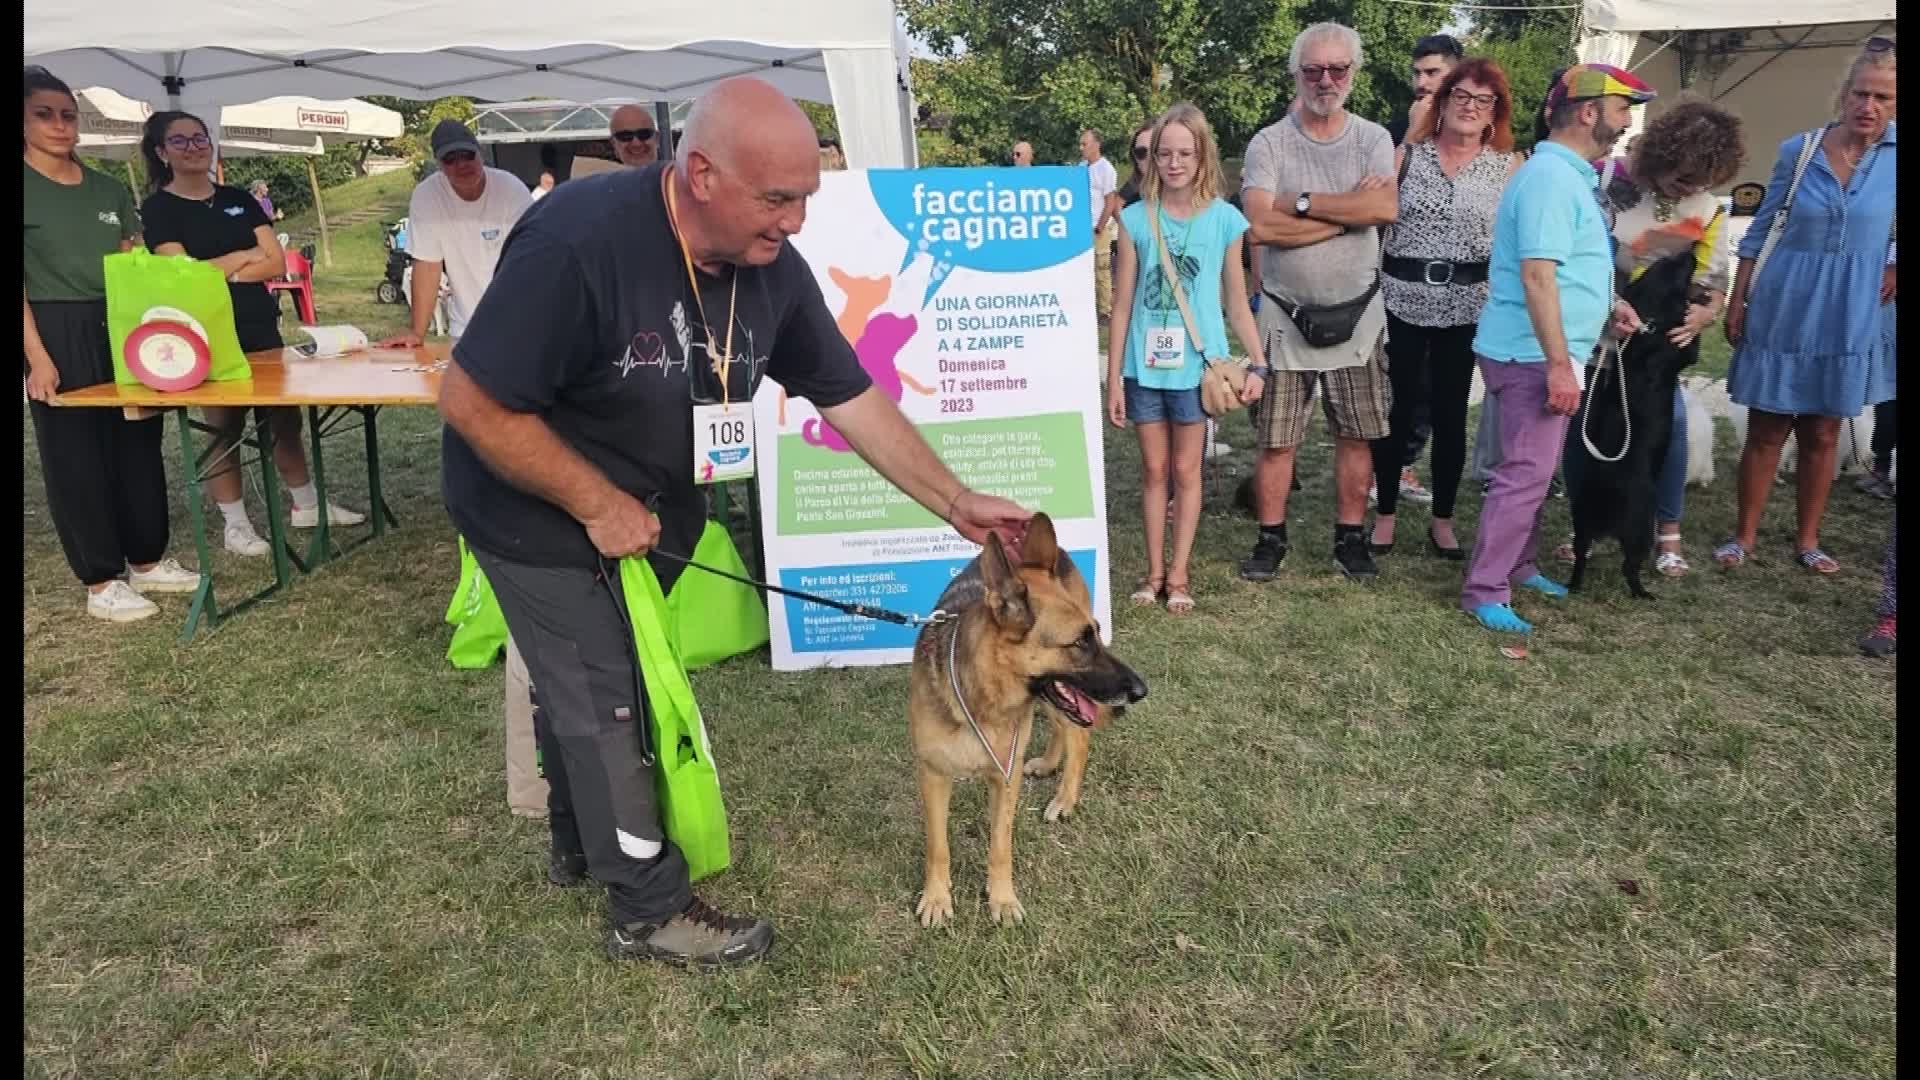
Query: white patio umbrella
[{"x": 306, "y": 121}]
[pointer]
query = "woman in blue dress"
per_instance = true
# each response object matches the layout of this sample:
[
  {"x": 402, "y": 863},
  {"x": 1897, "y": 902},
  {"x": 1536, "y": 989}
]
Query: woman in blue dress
[{"x": 1813, "y": 330}]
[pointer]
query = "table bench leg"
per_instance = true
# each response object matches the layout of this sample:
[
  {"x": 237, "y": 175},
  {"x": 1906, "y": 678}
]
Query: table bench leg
[
  {"x": 203, "y": 608},
  {"x": 376, "y": 497},
  {"x": 321, "y": 549}
]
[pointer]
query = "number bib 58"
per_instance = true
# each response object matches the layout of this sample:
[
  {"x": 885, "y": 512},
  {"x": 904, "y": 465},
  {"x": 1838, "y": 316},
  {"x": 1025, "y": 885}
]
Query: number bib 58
[{"x": 722, "y": 442}]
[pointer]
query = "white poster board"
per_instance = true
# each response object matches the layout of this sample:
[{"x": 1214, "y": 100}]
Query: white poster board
[{"x": 968, "y": 295}]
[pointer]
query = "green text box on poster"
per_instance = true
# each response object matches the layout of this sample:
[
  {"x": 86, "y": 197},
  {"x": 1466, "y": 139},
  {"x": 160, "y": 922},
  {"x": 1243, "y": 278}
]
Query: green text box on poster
[{"x": 1033, "y": 460}]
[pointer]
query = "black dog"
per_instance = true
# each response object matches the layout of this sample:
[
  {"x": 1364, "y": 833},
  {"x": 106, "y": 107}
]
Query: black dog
[{"x": 1615, "y": 498}]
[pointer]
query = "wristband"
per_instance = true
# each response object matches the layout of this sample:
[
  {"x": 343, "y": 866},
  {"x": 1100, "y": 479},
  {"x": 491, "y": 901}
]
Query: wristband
[{"x": 953, "y": 502}]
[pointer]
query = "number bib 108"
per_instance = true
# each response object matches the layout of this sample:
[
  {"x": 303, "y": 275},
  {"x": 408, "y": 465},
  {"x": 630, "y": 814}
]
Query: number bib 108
[{"x": 722, "y": 442}]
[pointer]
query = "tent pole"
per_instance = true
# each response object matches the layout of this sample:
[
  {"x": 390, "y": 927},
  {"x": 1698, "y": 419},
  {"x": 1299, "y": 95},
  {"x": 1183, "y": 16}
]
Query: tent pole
[
  {"x": 663, "y": 121},
  {"x": 320, "y": 211},
  {"x": 132, "y": 184}
]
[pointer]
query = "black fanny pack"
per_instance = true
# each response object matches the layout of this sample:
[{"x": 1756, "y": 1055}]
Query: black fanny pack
[
  {"x": 1329, "y": 325},
  {"x": 1434, "y": 271}
]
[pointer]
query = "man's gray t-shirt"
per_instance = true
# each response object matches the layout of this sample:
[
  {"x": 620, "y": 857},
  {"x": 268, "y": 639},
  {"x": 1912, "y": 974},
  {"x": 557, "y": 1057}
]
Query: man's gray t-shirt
[{"x": 1284, "y": 158}]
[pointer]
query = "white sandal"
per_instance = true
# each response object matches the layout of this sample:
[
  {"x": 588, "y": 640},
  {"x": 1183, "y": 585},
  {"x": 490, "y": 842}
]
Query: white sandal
[{"x": 1670, "y": 563}]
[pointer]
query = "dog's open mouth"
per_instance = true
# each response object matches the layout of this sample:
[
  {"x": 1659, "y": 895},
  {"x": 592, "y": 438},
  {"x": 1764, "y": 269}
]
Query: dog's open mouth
[{"x": 1069, "y": 699}]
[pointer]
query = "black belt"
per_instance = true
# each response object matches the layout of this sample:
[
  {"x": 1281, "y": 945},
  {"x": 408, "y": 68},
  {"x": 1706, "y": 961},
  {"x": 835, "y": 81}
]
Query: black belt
[{"x": 1434, "y": 271}]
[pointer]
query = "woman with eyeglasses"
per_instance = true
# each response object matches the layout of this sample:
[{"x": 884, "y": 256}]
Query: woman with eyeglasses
[
  {"x": 106, "y": 482},
  {"x": 1813, "y": 329},
  {"x": 188, "y": 214},
  {"x": 1452, "y": 169}
]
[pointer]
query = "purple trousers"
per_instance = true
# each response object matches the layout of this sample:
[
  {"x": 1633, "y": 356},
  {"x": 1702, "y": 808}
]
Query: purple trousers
[{"x": 1530, "y": 441}]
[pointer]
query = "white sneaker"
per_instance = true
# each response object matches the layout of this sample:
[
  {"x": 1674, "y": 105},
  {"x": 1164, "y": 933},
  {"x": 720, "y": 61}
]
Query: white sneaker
[
  {"x": 167, "y": 576},
  {"x": 119, "y": 603},
  {"x": 1411, "y": 489},
  {"x": 242, "y": 540},
  {"x": 307, "y": 517}
]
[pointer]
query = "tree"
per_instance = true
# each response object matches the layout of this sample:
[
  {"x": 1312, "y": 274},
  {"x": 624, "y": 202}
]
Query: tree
[
  {"x": 1043, "y": 69},
  {"x": 1529, "y": 47}
]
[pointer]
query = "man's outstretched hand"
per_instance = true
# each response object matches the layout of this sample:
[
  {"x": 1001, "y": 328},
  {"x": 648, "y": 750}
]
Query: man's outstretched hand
[{"x": 975, "y": 514}]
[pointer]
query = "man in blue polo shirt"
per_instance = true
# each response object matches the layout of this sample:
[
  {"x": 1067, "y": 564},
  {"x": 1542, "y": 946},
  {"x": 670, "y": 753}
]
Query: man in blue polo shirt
[{"x": 1551, "y": 279}]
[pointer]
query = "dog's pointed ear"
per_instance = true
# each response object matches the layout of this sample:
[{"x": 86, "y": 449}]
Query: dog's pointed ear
[
  {"x": 1040, "y": 548},
  {"x": 1007, "y": 599}
]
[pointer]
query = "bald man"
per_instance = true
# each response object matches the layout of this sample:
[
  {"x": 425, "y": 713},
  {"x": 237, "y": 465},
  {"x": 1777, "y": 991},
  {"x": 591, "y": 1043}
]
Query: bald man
[
  {"x": 636, "y": 141},
  {"x": 630, "y": 320},
  {"x": 1023, "y": 153}
]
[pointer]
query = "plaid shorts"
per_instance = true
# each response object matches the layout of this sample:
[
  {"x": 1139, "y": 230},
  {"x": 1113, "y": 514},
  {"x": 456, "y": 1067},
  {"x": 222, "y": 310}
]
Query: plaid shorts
[{"x": 1356, "y": 400}]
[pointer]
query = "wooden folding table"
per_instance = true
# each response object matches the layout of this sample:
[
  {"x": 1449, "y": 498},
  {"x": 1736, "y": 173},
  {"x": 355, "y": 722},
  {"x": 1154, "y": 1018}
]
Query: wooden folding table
[{"x": 332, "y": 391}]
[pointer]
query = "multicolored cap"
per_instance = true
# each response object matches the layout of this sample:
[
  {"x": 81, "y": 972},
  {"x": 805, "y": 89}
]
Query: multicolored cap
[{"x": 1584, "y": 82}]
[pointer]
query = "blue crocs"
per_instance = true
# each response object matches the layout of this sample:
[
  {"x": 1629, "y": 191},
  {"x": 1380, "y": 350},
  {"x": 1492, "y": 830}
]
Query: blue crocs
[
  {"x": 1541, "y": 583},
  {"x": 1500, "y": 619}
]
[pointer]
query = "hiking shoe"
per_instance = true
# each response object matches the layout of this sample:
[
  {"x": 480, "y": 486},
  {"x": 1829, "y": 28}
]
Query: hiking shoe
[
  {"x": 242, "y": 540},
  {"x": 1875, "y": 485},
  {"x": 119, "y": 603},
  {"x": 1411, "y": 489},
  {"x": 1879, "y": 642},
  {"x": 700, "y": 936},
  {"x": 165, "y": 576},
  {"x": 1350, "y": 551},
  {"x": 307, "y": 517},
  {"x": 1268, "y": 551},
  {"x": 566, "y": 870}
]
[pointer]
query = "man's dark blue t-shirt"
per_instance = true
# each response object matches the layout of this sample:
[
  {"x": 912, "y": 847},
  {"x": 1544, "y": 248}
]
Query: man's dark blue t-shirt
[{"x": 590, "y": 322}]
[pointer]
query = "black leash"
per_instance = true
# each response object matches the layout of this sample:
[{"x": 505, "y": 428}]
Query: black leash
[{"x": 861, "y": 610}]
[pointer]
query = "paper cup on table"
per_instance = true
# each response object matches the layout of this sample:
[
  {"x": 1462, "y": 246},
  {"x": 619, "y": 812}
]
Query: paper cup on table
[{"x": 326, "y": 341}]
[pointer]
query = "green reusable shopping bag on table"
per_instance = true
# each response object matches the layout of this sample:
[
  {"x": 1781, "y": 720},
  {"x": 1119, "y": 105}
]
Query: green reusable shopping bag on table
[
  {"x": 139, "y": 281},
  {"x": 713, "y": 617},
  {"x": 479, "y": 627},
  {"x": 688, "y": 785}
]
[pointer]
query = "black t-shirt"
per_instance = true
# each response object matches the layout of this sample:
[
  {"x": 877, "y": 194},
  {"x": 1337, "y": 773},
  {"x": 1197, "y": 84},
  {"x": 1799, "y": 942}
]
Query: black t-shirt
[
  {"x": 1130, "y": 191},
  {"x": 1397, "y": 129},
  {"x": 210, "y": 230},
  {"x": 591, "y": 324}
]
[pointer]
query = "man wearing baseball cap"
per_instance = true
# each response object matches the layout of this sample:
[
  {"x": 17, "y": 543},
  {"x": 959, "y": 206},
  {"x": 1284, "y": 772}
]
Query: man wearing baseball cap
[
  {"x": 1551, "y": 278},
  {"x": 457, "y": 221}
]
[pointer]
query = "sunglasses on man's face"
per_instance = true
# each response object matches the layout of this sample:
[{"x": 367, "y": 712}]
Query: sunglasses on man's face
[
  {"x": 1879, "y": 43},
  {"x": 642, "y": 134},
  {"x": 1313, "y": 73},
  {"x": 459, "y": 157},
  {"x": 1140, "y": 153}
]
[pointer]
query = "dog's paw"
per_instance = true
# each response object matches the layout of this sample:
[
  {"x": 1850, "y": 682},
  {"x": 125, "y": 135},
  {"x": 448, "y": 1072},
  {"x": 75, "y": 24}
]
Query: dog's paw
[
  {"x": 1040, "y": 766},
  {"x": 1060, "y": 808},
  {"x": 1006, "y": 909},
  {"x": 935, "y": 907}
]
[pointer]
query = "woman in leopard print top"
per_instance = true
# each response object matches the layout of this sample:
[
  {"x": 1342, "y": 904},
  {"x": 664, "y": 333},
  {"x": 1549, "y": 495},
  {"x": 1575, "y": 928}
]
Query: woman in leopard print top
[{"x": 1452, "y": 169}]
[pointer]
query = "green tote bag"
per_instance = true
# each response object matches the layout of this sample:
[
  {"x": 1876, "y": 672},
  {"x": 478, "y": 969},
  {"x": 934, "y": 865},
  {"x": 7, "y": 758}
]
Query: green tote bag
[{"x": 688, "y": 784}]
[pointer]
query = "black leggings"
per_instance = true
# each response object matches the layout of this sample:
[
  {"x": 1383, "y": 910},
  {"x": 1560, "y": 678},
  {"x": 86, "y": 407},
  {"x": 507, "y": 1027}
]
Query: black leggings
[
  {"x": 1886, "y": 435},
  {"x": 1434, "y": 366}
]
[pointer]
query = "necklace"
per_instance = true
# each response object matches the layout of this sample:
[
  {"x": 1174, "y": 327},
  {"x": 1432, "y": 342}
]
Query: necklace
[
  {"x": 207, "y": 202},
  {"x": 1662, "y": 208},
  {"x": 723, "y": 364}
]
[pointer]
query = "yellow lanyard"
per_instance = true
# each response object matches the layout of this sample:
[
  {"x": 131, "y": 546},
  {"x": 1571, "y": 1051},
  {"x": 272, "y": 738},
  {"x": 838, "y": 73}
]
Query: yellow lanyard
[{"x": 723, "y": 364}]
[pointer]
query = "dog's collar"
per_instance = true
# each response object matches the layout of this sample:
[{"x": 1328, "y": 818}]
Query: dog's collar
[{"x": 953, "y": 680}]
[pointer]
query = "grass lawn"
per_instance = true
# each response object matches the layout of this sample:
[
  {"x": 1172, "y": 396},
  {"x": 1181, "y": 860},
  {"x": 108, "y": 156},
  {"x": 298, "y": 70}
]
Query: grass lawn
[{"x": 1344, "y": 837}]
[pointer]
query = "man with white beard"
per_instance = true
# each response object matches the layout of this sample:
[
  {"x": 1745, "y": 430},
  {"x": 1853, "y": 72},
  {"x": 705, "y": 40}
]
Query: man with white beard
[{"x": 1316, "y": 187}]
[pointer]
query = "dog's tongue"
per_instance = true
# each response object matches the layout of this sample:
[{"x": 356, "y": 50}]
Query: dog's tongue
[{"x": 1083, "y": 706}]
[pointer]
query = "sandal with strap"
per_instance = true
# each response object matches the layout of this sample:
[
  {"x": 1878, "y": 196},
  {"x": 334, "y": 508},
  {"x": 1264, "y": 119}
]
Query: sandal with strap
[
  {"x": 1818, "y": 561},
  {"x": 1670, "y": 563},
  {"x": 1179, "y": 600},
  {"x": 1148, "y": 593},
  {"x": 1730, "y": 553}
]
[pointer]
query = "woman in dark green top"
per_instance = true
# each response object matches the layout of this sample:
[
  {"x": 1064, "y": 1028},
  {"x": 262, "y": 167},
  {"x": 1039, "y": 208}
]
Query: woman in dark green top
[{"x": 106, "y": 483}]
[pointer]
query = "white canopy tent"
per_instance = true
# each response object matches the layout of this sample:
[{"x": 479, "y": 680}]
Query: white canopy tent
[
  {"x": 851, "y": 53},
  {"x": 1776, "y": 63}
]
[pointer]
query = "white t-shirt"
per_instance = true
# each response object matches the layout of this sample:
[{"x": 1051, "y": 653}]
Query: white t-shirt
[
  {"x": 1102, "y": 182},
  {"x": 537, "y": 194},
  {"x": 464, "y": 237}
]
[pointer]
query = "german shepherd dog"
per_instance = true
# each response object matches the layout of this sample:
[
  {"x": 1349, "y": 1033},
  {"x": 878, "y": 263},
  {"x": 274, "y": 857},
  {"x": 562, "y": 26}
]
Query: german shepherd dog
[
  {"x": 1022, "y": 639},
  {"x": 1615, "y": 498}
]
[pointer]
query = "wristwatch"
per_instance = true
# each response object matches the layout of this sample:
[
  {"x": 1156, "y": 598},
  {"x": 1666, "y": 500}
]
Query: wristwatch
[
  {"x": 1261, "y": 370},
  {"x": 1301, "y": 203}
]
